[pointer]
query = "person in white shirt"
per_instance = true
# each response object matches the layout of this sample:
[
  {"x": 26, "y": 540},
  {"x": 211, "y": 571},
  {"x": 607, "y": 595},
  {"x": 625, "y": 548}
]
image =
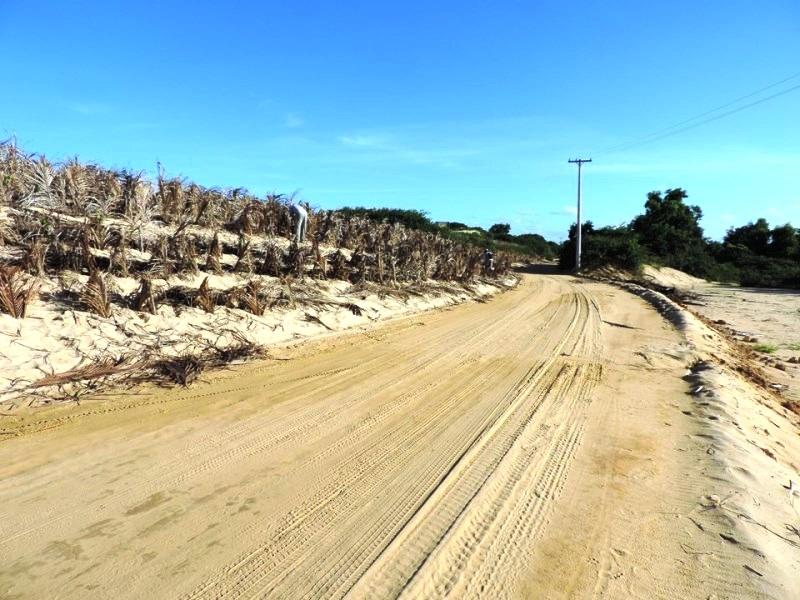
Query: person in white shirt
[{"x": 300, "y": 216}]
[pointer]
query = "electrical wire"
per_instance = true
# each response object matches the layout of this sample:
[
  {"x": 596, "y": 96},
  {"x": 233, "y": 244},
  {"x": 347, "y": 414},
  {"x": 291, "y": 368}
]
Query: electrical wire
[{"x": 671, "y": 130}]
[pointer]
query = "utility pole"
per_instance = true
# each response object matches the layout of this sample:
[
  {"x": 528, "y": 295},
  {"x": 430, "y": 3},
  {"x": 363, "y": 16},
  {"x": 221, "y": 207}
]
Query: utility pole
[{"x": 579, "y": 162}]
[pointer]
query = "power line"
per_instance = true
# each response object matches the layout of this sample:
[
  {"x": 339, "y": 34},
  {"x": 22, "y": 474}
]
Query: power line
[{"x": 671, "y": 130}]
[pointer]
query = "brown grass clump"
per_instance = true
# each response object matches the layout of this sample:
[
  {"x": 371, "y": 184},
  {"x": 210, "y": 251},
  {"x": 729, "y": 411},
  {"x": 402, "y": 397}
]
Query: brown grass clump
[
  {"x": 15, "y": 293},
  {"x": 95, "y": 295},
  {"x": 243, "y": 349},
  {"x": 182, "y": 370}
]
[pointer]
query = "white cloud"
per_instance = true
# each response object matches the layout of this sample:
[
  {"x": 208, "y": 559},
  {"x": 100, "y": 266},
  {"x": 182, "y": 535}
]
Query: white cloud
[
  {"x": 293, "y": 120},
  {"x": 570, "y": 210}
]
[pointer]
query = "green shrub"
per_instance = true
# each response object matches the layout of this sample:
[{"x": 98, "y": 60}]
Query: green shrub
[
  {"x": 608, "y": 246},
  {"x": 765, "y": 348}
]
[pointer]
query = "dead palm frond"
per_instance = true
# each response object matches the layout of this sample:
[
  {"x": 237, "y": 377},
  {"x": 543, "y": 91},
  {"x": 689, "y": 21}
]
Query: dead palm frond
[
  {"x": 252, "y": 298},
  {"x": 15, "y": 293},
  {"x": 40, "y": 193},
  {"x": 171, "y": 198},
  {"x": 95, "y": 295},
  {"x": 182, "y": 370},
  {"x": 206, "y": 298},
  {"x": 72, "y": 183}
]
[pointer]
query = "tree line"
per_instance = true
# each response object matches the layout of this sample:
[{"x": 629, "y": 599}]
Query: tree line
[
  {"x": 498, "y": 237},
  {"x": 668, "y": 233}
]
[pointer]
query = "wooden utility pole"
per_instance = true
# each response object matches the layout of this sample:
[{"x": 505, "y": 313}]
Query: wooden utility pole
[{"x": 579, "y": 162}]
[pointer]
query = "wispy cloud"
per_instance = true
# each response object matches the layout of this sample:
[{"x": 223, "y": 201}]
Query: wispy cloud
[
  {"x": 293, "y": 121},
  {"x": 362, "y": 141},
  {"x": 402, "y": 150},
  {"x": 90, "y": 108}
]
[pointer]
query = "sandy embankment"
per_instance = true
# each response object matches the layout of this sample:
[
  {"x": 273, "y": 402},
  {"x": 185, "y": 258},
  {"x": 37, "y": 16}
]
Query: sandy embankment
[
  {"x": 747, "y": 521},
  {"x": 58, "y": 337}
]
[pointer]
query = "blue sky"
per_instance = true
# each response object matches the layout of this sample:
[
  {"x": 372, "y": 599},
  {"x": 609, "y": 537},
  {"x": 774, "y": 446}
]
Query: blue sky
[{"x": 468, "y": 110}]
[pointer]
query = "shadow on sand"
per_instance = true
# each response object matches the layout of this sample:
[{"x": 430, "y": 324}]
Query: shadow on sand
[{"x": 540, "y": 269}]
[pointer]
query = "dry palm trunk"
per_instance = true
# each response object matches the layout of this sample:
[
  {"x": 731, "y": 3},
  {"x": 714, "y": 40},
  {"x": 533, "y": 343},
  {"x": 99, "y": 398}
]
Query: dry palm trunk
[
  {"x": 252, "y": 298},
  {"x": 379, "y": 261},
  {"x": 185, "y": 255},
  {"x": 163, "y": 261},
  {"x": 273, "y": 261},
  {"x": 296, "y": 262},
  {"x": 145, "y": 298},
  {"x": 358, "y": 264},
  {"x": 320, "y": 262},
  {"x": 34, "y": 257},
  {"x": 170, "y": 193},
  {"x": 89, "y": 262},
  {"x": 339, "y": 267},
  {"x": 472, "y": 266},
  {"x": 214, "y": 255},
  {"x": 244, "y": 262},
  {"x": 119, "y": 261}
]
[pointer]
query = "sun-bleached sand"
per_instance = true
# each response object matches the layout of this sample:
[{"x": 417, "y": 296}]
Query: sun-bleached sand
[{"x": 561, "y": 440}]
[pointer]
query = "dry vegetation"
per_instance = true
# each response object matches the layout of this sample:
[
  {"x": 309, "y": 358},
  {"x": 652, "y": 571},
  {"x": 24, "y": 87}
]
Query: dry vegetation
[
  {"x": 74, "y": 230},
  {"x": 87, "y": 219}
]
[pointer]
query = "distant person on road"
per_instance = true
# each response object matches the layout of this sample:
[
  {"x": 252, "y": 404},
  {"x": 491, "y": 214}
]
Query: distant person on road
[
  {"x": 488, "y": 261},
  {"x": 300, "y": 216}
]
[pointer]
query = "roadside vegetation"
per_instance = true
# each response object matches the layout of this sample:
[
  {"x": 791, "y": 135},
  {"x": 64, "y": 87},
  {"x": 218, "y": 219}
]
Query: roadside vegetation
[
  {"x": 73, "y": 219},
  {"x": 669, "y": 234}
]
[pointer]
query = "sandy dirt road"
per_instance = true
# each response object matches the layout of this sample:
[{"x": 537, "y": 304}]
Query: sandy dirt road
[{"x": 440, "y": 455}]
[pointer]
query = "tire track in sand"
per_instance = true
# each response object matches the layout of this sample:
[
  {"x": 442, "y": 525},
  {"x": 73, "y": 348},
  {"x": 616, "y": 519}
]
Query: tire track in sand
[{"x": 406, "y": 467}]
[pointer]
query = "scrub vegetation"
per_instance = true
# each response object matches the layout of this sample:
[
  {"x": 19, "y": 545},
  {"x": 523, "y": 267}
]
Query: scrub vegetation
[{"x": 669, "y": 234}]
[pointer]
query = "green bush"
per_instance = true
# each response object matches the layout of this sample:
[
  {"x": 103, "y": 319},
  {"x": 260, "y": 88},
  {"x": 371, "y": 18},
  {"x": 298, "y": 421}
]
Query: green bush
[
  {"x": 608, "y": 246},
  {"x": 412, "y": 219}
]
